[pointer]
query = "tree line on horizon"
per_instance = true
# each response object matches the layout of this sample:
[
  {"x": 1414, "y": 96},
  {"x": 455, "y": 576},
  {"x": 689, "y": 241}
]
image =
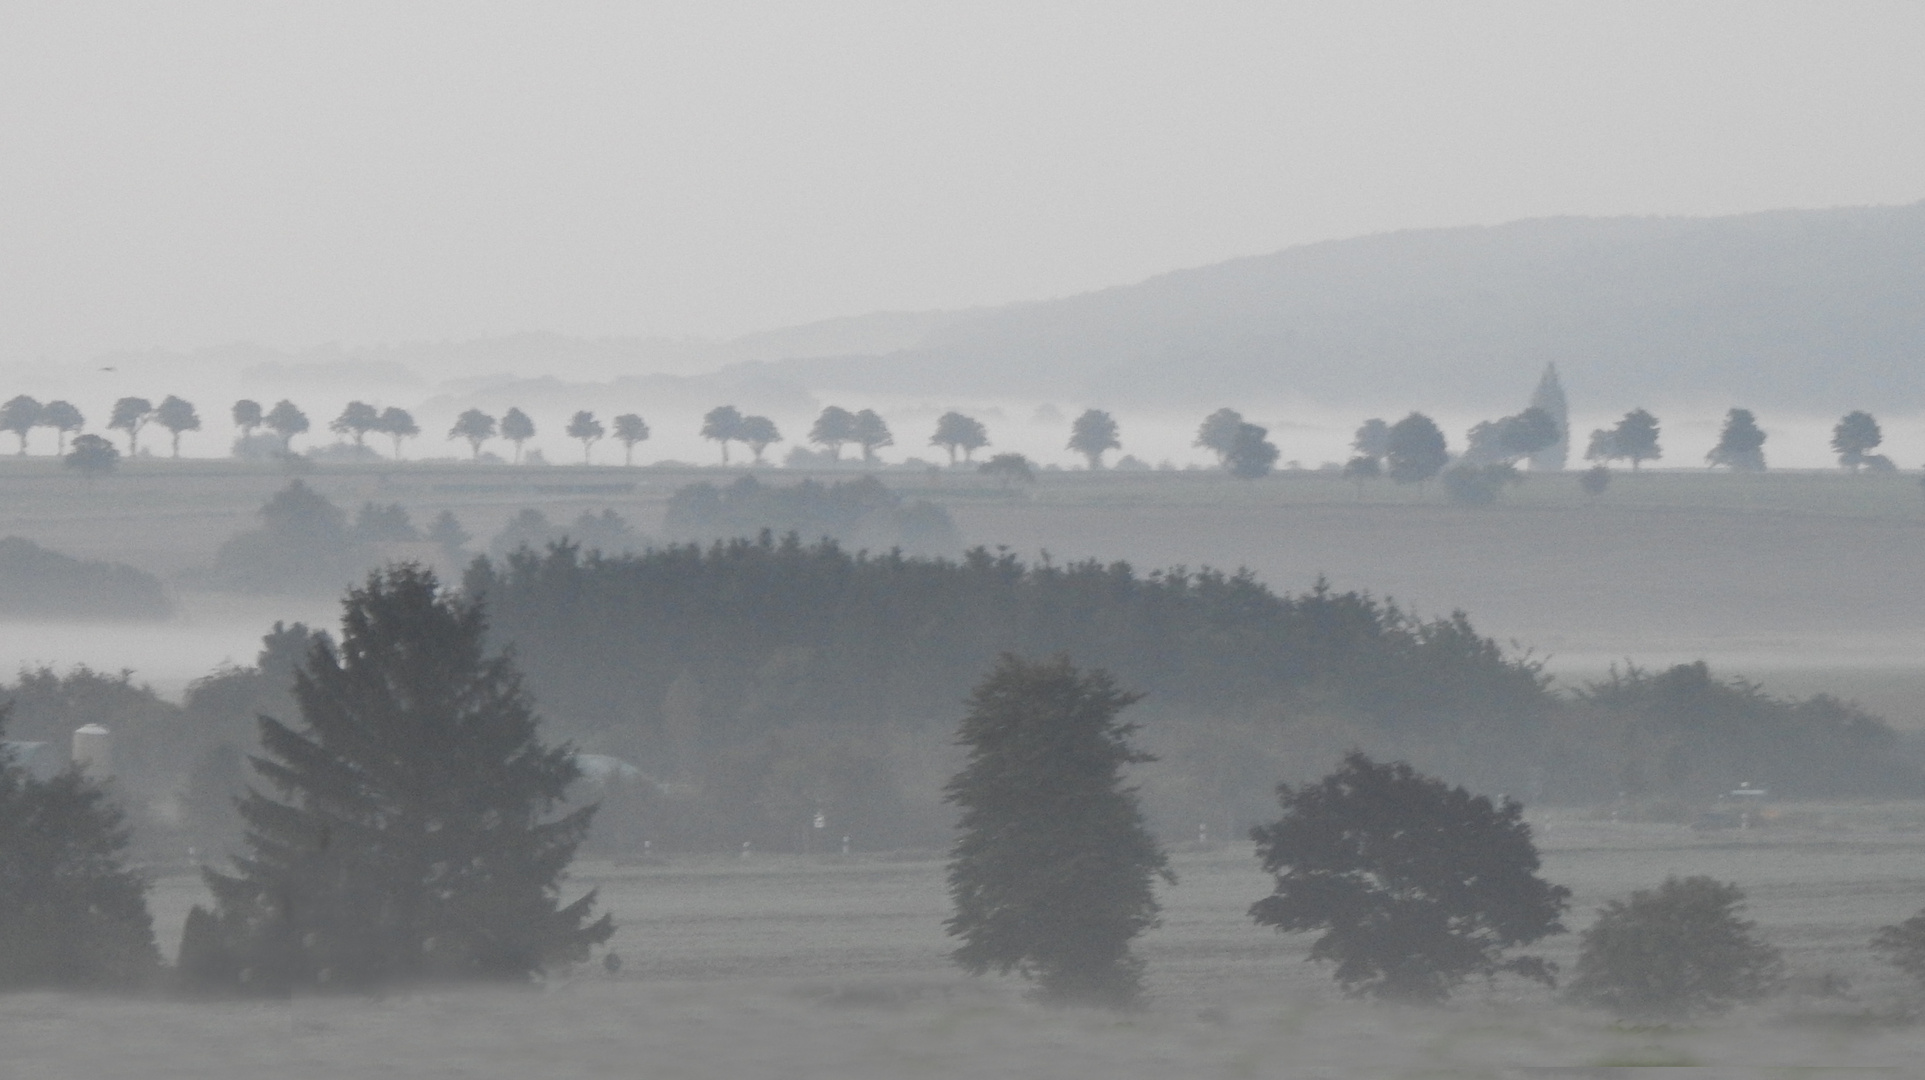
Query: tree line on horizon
[{"x": 1411, "y": 451}]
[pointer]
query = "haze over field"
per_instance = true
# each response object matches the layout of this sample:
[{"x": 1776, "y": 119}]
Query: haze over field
[{"x": 719, "y": 413}]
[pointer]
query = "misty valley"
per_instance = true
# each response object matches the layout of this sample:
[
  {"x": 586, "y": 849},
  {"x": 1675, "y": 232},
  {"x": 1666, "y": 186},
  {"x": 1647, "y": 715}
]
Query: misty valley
[{"x": 735, "y": 696}]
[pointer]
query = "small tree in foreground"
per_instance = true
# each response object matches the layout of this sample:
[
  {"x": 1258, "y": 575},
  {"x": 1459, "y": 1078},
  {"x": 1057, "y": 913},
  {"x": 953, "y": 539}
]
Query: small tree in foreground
[
  {"x": 1416, "y": 885},
  {"x": 408, "y": 832},
  {"x": 1054, "y": 871},
  {"x": 71, "y": 913},
  {"x": 1675, "y": 951}
]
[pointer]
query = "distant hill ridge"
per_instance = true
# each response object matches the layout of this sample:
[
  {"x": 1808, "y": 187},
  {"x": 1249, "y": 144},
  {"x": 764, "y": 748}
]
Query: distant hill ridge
[{"x": 1815, "y": 310}]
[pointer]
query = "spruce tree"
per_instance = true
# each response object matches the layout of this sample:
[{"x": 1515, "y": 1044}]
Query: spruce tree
[
  {"x": 406, "y": 830},
  {"x": 1054, "y": 871},
  {"x": 71, "y": 912}
]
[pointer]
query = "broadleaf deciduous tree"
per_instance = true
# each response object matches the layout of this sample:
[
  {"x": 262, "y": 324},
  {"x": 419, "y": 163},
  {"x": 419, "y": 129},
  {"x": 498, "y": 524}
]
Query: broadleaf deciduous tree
[{"x": 1415, "y": 885}]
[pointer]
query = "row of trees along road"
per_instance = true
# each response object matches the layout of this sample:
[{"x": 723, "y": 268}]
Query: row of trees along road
[
  {"x": 410, "y": 827},
  {"x": 1413, "y": 450}
]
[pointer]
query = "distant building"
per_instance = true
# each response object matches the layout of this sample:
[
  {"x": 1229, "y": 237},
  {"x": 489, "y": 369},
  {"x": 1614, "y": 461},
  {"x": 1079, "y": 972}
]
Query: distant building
[{"x": 1549, "y": 396}]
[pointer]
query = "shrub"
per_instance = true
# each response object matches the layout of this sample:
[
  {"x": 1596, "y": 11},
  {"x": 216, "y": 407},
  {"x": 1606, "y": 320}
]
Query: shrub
[{"x": 1674, "y": 952}]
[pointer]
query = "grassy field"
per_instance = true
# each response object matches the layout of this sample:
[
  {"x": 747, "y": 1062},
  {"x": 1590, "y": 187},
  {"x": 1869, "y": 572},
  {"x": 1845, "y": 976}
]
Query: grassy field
[{"x": 791, "y": 967}]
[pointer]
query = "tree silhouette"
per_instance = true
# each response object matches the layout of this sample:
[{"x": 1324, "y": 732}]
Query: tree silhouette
[
  {"x": 247, "y": 416},
  {"x": 872, "y": 434},
  {"x": 1741, "y": 445},
  {"x": 1855, "y": 434},
  {"x": 130, "y": 415},
  {"x": 517, "y": 428},
  {"x": 1674, "y": 952},
  {"x": 287, "y": 421},
  {"x": 1372, "y": 439},
  {"x": 475, "y": 426},
  {"x": 1416, "y": 885},
  {"x": 1595, "y": 479},
  {"x": 630, "y": 429},
  {"x": 1053, "y": 871},
  {"x": 404, "y": 829},
  {"x": 92, "y": 455},
  {"x": 72, "y": 913},
  {"x": 1092, "y": 434},
  {"x": 758, "y": 432},
  {"x": 1634, "y": 439},
  {"x": 832, "y": 429},
  {"x": 356, "y": 420},
  {"x": 584, "y": 427},
  {"x": 1219, "y": 432},
  {"x": 1360, "y": 469},
  {"x": 724, "y": 425},
  {"x": 1513, "y": 438},
  {"x": 397, "y": 424},
  {"x": 64, "y": 419},
  {"x": 1414, "y": 450},
  {"x": 1251, "y": 454},
  {"x": 954, "y": 432},
  {"x": 446, "y": 533},
  {"x": 21, "y": 415},
  {"x": 1008, "y": 469},
  {"x": 178, "y": 417}
]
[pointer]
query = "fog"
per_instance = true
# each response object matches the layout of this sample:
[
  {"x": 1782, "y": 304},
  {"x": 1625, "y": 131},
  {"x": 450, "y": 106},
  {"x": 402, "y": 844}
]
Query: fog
[{"x": 1314, "y": 214}]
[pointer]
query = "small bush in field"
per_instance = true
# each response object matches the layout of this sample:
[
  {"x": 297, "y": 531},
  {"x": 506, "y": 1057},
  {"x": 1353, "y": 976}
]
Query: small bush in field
[{"x": 1675, "y": 951}]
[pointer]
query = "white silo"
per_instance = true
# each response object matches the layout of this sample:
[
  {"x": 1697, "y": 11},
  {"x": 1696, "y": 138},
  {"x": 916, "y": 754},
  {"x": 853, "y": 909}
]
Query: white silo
[{"x": 94, "y": 751}]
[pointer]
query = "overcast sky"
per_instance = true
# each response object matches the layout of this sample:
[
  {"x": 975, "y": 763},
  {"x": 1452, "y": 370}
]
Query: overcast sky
[{"x": 187, "y": 174}]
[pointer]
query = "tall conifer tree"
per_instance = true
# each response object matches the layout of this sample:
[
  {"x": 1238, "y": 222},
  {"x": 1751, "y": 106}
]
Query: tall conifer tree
[
  {"x": 1054, "y": 872},
  {"x": 409, "y": 832}
]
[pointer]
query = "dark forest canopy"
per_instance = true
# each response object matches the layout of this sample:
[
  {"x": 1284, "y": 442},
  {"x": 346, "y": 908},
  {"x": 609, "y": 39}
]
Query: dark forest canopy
[{"x": 669, "y": 657}]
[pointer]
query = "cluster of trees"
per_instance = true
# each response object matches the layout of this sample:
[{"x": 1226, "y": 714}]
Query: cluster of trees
[
  {"x": 1411, "y": 886},
  {"x": 409, "y": 826},
  {"x": 306, "y": 543},
  {"x": 681, "y": 656},
  {"x": 862, "y": 513}
]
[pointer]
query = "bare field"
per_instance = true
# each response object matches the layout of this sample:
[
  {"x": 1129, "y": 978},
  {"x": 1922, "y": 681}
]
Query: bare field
[{"x": 778, "y": 966}]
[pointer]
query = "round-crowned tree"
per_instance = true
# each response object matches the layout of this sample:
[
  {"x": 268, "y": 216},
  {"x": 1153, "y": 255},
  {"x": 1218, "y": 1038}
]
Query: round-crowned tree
[
  {"x": 1673, "y": 952},
  {"x": 1415, "y": 885},
  {"x": 1054, "y": 871},
  {"x": 405, "y": 829}
]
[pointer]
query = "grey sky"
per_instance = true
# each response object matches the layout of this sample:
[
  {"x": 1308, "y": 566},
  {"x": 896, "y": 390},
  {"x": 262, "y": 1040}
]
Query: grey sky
[{"x": 186, "y": 174}]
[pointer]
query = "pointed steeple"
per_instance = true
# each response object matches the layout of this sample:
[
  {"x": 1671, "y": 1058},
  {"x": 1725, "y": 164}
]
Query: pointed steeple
[{"x": 1549, "y": 396}]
